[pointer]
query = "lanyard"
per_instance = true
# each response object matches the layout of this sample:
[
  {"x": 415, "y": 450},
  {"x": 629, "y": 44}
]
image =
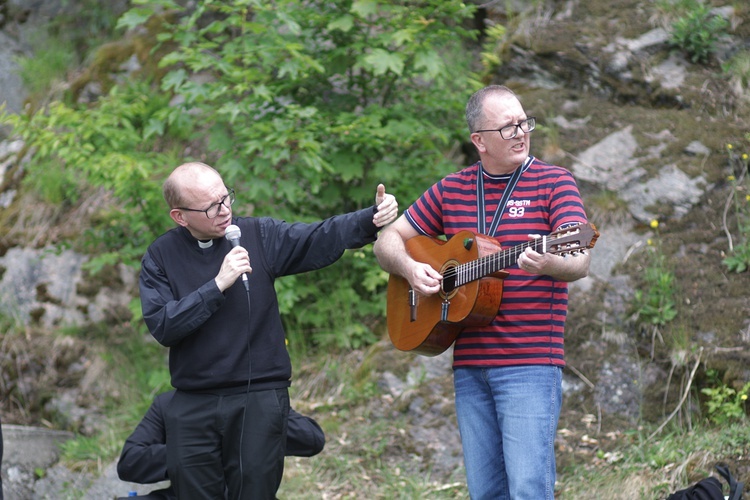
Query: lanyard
[{"x": 481, "y": 218}]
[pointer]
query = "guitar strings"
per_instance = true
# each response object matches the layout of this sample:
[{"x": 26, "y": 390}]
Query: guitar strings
[
  {"x": 500, "y": 256},
  {"x": 467, "y": 269}
]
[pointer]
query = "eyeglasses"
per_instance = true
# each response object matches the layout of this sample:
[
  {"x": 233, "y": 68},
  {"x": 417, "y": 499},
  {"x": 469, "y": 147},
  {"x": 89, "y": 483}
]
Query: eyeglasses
[
  {"x": 213, "y": 210},
  {"x": 511, "y": 131}
]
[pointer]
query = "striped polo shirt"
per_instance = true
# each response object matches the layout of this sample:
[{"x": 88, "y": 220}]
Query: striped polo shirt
[{"x": 529, "y": 326}]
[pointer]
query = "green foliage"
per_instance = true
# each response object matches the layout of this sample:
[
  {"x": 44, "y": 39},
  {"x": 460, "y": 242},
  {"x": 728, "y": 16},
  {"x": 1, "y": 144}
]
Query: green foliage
[
  {"x": 738, "y": 257},
  {"x": 492, "y": 49},
  {"x": 725, "y": 405},
  {"x": 739, "y": 260},
  {"x": 86, "y": 450},
  {"x": 64, "y": 42},
  {"x": 110, "y": 147},
  {"x": 85, "y": 23},
  {"x": 58, "y": 186},
  {"x": 309, "y": 108},
  {"x": 653, "y": 468},
  {"x": 303, "y": 110},
  {"x": 655, "y": 302},
  {"x": 342, "y": 317},
  {"x": 698, "y": 31},
  {"x": 49, "y": 64}
]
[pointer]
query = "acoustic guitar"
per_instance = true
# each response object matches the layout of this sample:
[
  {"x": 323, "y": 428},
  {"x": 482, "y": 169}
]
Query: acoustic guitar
[{"x": 472, "y": 266}]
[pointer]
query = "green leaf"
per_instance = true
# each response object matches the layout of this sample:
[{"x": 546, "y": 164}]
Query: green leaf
[
  {"x": 134, "y": 18},
  {"x": 344, "y": 23},
  {"x": 365, "y": 8},
  {"x": 154, "y": 127},
  {"x": 380, "y": 61},
  {"x": 174, "y": 79},
  {"x": 430, "y": 62}
]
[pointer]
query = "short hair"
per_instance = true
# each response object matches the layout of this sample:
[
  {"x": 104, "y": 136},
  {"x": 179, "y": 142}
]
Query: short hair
[
  {"x": 475, "y": 106},
  {"x": 172, "y": 188}
]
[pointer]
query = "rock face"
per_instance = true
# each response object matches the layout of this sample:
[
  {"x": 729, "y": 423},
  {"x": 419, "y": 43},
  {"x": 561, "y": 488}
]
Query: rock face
[
  {"x": 12, "y": 91},
  {"x": 43, "y": 286}
]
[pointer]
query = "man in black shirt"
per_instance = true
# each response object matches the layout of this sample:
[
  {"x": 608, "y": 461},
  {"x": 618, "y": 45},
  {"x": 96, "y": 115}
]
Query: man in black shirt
[{"x": 227, "y": 422}]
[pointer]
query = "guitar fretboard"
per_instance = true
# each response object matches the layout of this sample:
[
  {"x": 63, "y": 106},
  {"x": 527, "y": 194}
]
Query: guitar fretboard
[
  {"x": 562, "y": 241},
  {"x": 483, "y": 266}
]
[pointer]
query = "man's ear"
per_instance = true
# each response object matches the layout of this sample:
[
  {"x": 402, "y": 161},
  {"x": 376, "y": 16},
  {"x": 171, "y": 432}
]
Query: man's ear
[
  {"x": 177, "y": 216},
  {"x": 478, "y": 142}
]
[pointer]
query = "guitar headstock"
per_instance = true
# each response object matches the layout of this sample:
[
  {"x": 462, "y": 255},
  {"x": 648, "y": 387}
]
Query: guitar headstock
[{"x": 572, "y": 239}]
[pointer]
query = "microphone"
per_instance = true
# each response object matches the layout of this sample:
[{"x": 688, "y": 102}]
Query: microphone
[{"x": 233, "y": 234}]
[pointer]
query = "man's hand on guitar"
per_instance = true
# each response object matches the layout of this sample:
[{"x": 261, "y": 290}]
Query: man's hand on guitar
[
  {"x": 533, "y": 262},
  {"x": 387, "y": 207},
  {"x": 566, "y": 268},
  {"x": 424, "y": 279}
]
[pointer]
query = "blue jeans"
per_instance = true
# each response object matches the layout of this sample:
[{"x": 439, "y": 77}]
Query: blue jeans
[{"x": 507, "y": 417}]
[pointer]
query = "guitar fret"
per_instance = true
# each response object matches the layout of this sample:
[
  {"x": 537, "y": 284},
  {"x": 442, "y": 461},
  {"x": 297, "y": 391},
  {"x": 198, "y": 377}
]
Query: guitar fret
[{"x": 488, "y": 264}]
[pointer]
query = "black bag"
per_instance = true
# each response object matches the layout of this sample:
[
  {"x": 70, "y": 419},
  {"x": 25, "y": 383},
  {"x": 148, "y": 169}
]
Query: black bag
[{"x": 710, "y": 488}]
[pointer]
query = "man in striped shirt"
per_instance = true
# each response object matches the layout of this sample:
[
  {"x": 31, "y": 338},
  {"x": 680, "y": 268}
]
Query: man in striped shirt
[{"x": 508, "y": 374}]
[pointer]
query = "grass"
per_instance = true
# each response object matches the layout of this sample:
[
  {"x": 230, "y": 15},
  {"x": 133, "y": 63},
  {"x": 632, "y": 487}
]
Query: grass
[
  {"x": 654, "y": 469},
  {"x": 384, "y": 443},
  {"x": 371, "y": 450},
  {"x": 51, "y": 61}
]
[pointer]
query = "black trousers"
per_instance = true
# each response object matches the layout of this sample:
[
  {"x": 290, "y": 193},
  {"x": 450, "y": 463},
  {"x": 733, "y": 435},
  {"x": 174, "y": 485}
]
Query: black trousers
[{"x": 227, "y": 444}]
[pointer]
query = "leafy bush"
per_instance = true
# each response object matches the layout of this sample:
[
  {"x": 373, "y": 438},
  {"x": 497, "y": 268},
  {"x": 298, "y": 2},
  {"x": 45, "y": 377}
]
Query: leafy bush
[
  {"x": 308, "y": 109},
  {"x": 108, "y": 146},
  {"x": 726, "y": 405},
  {"x": 697, "y": 32},
  {"x": 303, "y": 110}
]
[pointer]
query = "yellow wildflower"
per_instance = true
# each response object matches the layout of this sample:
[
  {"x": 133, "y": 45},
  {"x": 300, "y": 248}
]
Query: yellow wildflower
[
  {"x": 744, "y": 156},
  {"x": 730, "y": 177},
  {"x": 649, "y": 242},
  {"x": 654, "y": 223},
  {"x": 743, "y": 397},
  {"x": 747, "y": 197},
  {"x": 729, "y": 146}
]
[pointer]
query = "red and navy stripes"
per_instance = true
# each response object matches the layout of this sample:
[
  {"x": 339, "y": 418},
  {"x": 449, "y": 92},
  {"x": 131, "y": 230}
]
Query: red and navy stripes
[{"x": 529, "y": 326}]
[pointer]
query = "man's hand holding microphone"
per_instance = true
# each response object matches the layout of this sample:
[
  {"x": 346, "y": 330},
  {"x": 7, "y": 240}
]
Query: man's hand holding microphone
[{"x": 236, "y": 263}]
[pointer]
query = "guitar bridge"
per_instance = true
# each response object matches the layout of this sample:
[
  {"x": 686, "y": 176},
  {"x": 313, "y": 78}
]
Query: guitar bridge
[{"x": 444, "y": 310}]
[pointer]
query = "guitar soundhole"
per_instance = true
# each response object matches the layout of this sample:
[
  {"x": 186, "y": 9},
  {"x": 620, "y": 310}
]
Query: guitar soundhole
[{"x": 449, "y": 281}]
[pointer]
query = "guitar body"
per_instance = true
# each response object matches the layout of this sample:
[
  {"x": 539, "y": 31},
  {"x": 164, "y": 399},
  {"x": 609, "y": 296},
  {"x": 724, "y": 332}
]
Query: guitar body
[{"x": 429, "y": 325}]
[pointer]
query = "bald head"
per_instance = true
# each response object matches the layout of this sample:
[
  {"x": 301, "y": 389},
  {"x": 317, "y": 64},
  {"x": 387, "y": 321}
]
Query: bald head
[
  {"x": 185, "y": 180},
  {"x": 475, "y": 107}
]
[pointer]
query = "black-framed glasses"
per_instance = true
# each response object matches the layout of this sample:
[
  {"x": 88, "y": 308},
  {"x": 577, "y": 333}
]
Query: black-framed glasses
[
  {"x": 511, "y": 131},
  {"x": 213, "y": 210}
]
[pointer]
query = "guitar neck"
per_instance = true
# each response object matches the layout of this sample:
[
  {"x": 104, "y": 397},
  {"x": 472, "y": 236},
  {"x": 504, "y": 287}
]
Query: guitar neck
[
  {"x": 492, "y": 263},
  {"x": 563, "y": 241}
]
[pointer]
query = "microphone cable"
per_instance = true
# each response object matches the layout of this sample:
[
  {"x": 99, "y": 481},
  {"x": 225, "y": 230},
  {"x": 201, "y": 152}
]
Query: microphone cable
[
  {"x": 247, "y": 393},
  {"x": 233, "y": 234}
]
